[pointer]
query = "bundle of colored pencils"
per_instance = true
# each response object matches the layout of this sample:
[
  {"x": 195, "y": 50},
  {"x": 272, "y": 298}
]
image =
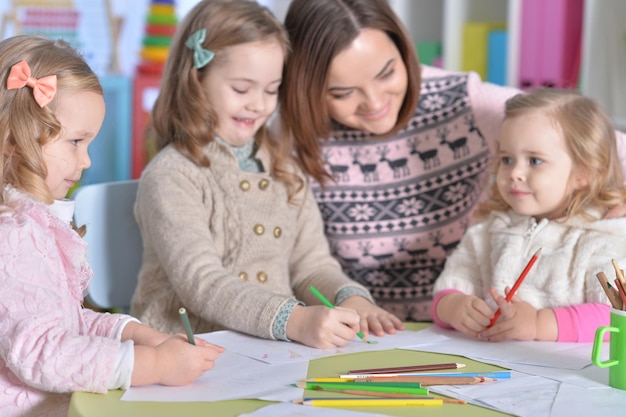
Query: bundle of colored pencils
[
  {"x": 404, "y": 387},
  {"x": 366, "y": 387},
  {"x": 617, "y": 292}
]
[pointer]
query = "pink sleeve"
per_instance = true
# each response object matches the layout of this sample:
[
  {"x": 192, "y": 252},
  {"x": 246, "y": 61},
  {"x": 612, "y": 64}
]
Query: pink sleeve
[
  {"x": 433, "y": 307},
  {"x": 102, "y": 324},
  {"x": 41, "y": 317},
  {"x": 578, "y": 323}
]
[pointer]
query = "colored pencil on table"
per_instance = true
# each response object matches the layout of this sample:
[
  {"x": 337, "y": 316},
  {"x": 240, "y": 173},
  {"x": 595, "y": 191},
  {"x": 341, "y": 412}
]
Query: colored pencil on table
[
  {"x": 392, "y": 395},
  {"x": 426, "y": 381},
  {"x": 413, "y": 368},
  {"x": 396, "y": 388},
  {"x": 519, "y": 281},
  {"x": 611, "y": 293},
  {"x": 359, "y": 384},
  {"x": 370, "y": 402},
  {"x": 183, "y": 315},
  {"x": 328, "y": 304},
  {"x": 493, "y": 374}
]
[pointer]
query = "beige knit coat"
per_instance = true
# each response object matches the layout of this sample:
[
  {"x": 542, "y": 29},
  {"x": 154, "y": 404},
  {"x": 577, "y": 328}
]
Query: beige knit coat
[{"x": 226, "y": 245}]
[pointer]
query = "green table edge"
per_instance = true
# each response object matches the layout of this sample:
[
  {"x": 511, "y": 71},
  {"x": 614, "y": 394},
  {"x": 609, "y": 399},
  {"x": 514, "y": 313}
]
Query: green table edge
[{"x": 98, "y": 405}]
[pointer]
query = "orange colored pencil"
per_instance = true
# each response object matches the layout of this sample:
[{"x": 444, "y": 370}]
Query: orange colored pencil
[
  {"x": 519, "y": 281},
  {"x": 427, "y": 380}
]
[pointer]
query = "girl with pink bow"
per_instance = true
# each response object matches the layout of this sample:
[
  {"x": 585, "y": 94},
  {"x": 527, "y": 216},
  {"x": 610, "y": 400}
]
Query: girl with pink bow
[{"x": 51, "y": 109}]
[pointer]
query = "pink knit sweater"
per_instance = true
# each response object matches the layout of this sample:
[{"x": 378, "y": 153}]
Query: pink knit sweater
[{"x": 50, "y": 345}]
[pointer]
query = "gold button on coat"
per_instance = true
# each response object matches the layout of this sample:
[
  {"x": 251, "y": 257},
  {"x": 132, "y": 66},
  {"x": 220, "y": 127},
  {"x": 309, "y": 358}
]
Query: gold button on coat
[
  {"x": 263, "y": 184},
  {"x": 243, "y": 276},
  {"x": 259, "y": 229},
  {"x": 244, "y": 185},
  {"x": 261, "y": 276},
  {"x": 277, "y": 232}
]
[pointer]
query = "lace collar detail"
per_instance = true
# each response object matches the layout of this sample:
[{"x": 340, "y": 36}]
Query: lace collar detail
[{"x": 245, "y": 155}]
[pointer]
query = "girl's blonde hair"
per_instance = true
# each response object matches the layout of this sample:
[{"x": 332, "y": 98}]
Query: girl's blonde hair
[
  {"x": 182, "y": 114},
  {"x": 25, "y": 127},
  {"x": 590, "y": 140}
]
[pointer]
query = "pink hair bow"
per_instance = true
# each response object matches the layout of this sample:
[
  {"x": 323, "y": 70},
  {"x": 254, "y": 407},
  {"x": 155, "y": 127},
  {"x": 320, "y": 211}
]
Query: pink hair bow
[{"x": 44, "y": 88}]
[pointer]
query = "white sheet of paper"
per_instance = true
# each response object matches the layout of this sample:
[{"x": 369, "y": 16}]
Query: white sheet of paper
[
  {"x": 296, "y": 410},
  {"x": 522, "y": 395},
  {"x": 280, "y": 352},
  {"x": 549, "y": 354},
  {"x": 535, "y": 396},
  {"x": 590, "y": 377},
  {"x": 576, "y": 401},
  {"x": 233, "y": 377}
]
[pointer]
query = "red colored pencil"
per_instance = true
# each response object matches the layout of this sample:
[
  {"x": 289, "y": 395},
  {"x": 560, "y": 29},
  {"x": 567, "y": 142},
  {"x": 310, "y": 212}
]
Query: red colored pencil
[
  {"x": 519, "y": 281},
  {"x": 415, "y": 368},
  {"x": 622, "y": 293}
]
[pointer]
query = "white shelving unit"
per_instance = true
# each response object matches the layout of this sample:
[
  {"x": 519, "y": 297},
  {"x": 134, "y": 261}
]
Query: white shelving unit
[
  {"x": 456, "y": 13},
  {"x": 603, "y": 55},
  {"x": 603, "y": 65}
]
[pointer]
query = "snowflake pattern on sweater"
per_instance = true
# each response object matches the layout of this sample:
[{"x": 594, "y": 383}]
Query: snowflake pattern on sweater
[{"x": 398, "y": 206}]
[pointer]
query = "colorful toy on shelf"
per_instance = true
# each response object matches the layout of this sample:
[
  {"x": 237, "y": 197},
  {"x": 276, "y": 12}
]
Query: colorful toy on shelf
[
  {"x": 89, "y": 26},
  {"x": 160, "y": 27},
  {"x": 53, "y": 19}
]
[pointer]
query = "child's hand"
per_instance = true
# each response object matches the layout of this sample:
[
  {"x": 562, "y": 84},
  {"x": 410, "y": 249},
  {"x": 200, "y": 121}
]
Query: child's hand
[
  {"x": 466, "y": 313},
  {"x": 322, "y": 327},
  {"x": 181, "y": 362},
  {"x": 173, "y": 362},
  {"x": 520, "y": 321},
  {"x": 373, "y": 318}
]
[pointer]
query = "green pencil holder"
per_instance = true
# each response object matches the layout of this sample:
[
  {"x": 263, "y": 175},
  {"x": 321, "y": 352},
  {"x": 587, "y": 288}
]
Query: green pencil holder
[{"x": 617, "y": 349}]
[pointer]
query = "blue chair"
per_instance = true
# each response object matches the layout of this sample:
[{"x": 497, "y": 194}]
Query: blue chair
[{"x": 115, "y": 247}]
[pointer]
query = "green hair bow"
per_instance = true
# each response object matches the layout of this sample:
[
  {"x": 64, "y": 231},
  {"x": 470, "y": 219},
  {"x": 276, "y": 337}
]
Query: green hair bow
[{"x": 201, "y": 56}]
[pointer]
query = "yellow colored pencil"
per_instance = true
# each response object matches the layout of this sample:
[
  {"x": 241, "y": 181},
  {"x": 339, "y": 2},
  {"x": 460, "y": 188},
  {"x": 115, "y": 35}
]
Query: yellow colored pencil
[
  {"x": 372, "y": 402},
  {"x": 328, "y": 380}
]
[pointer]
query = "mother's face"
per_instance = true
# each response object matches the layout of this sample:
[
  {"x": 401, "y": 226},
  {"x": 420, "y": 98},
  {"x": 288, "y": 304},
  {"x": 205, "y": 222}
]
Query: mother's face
[{"x": 367, "y": 83}]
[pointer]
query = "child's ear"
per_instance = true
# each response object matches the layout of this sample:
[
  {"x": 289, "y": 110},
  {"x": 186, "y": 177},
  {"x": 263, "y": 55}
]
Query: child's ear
[{"x": 580, "y": 178}]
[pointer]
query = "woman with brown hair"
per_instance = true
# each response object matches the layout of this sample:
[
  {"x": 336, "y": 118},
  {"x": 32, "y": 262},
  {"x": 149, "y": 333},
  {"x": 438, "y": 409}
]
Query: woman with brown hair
[{"x": 399, "y": 152}]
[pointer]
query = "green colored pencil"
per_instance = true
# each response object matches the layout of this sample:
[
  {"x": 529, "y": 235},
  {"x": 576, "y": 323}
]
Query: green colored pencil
[
  {"x": 398, "y": 388},
  {"x": 328, "y": 304},
  {"x": 183, "y": 315}
]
